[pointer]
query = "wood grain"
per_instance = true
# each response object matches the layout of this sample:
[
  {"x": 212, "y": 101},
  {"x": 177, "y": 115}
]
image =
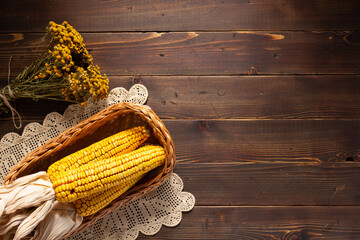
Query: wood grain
[
  {"x": 189, "y": 15},
  {"x": 35, "y": 110},
  {"x": 271, "y": 184},
  {"x": 270, "y": 223},
  {"x": 241, "y": 141},
  {"x": 203, "y": 53},
  {"x": 235, "y": 97},
  {"x": 250, "y": 97},
  {"x": 265, "y": 140}
]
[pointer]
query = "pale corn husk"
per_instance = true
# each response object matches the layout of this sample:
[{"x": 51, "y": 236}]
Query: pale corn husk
[
  {"x": 29, "y": 223},
  {"x": 11, "y": 221},
  {"x": 61, "y": 220},
  {"x": 25, "y": 193}
]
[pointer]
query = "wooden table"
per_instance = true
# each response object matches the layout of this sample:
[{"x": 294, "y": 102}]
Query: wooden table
[{"x": 261, "y": 97}]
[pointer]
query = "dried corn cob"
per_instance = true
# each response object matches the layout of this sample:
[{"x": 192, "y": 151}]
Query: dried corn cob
[
  {"x": 122, "y": 142},
  {"x": 91, "y": 205},
  {"x": 98, "y": 176}
]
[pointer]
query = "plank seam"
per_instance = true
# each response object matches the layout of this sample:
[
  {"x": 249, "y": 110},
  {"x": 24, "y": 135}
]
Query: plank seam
[{"x": 199, "y": 31}]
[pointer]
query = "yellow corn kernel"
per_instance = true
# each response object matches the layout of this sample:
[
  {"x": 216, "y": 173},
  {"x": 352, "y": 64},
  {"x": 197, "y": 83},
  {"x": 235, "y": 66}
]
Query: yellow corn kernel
[
  {"x": 122, "y": 142},
  {"x": 90, "y": 205},
  {"x": 149, "y": 156}
]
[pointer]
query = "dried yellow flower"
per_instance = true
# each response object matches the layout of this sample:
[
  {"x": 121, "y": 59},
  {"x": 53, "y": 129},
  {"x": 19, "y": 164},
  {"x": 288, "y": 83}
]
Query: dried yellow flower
[{"x": 65, "y": 71}]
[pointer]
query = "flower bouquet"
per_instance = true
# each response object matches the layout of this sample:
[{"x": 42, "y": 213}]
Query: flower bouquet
[{"x": 64, "y": 71}]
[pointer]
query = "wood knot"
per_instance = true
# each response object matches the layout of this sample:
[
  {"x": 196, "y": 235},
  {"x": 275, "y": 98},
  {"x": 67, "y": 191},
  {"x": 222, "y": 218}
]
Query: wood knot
[
  {"x": 136, "y": 80},
  {"x": 295, "y": 235},
  {"x": 253, "y": 71},
  {"x": 203, "y": 125}
]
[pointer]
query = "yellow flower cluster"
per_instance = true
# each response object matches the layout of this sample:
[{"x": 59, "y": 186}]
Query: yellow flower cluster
[
  {"x": 69, "y": 60},
  {"x": 66, "y": 35},
  {"x": 86, "y": 83}
]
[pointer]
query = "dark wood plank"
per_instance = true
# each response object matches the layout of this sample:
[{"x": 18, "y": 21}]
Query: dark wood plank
[
  {"x": 270, "y": 223},
  {"x": 229, "y": 141},
  {"x": 210, "y": 53},
  {"x": 265, "y": 140},
  {"x": 271, "y": 184},
  {"x": 36, "y": 110},
  {"x": 189, "y": 15},
  {"x": 248, "y": 97},
  {"x": 7, "y": 126},
  {"x": 240, "y": 97}
]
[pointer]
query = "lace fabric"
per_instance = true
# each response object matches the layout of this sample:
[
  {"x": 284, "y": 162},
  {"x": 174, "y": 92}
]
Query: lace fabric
[{"x": 163, "y": 206}]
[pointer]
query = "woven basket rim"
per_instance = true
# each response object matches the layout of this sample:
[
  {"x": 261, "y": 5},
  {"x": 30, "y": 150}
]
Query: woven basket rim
[{"x": 121, "y": 109}]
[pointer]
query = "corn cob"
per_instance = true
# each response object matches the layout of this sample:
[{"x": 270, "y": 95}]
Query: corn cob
[
  {"x": 122, "y": 142},
  {"x": 101, "y": 175},
  {"x": 91, "y": 205}
]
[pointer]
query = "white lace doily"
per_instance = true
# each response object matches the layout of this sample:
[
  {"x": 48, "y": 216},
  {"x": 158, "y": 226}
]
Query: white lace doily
[{"x": 163, "y": 206}]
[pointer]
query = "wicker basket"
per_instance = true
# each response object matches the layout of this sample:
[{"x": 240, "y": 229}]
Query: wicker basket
[{"x": 106, "y": 123}]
